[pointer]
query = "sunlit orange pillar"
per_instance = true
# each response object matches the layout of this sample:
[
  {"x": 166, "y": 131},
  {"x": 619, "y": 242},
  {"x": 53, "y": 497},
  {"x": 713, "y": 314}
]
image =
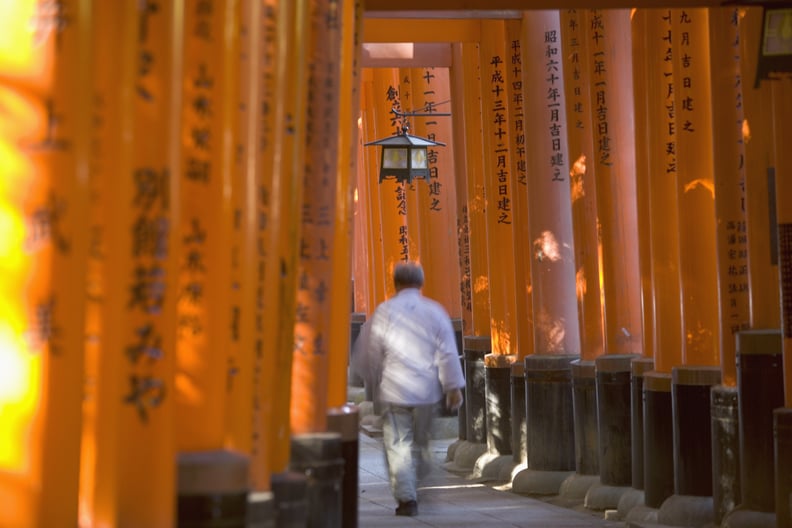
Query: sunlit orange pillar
[
  {"x": 609, "y": 54},
  {"x": 137, "y": 394},
  {"x": 469, "y": 161},
  {"x": 241, "y": 356},
  {"x": 408, "y": 196},
  {"x": 583, "y": 194},
  {"x": 113, "y": 80},
  {"x": 44, "y": 63},
  {"x": 350, "y": 20},
  {"x": 436, "y": 198},
  {"x": 659, "y": 177},
  {"x": 282, "y": 262},
  {"x": 523, "y": 339},
  {"x": 272, "y": 191},
  {"x": 369, "y": 197},
  {"x": 204, "y": 306},
  {"x": 556, "y": 332},
  {"x": 457, "y": 86},
  {"x": 692, "y": 381},
  {"x": 342, "y": 418},
  {"x": 499, "y": 188},
  {"x": 317, "y": 253},
  {"x": 392, "y": 194},
  {"x": 646, "y": 363}
]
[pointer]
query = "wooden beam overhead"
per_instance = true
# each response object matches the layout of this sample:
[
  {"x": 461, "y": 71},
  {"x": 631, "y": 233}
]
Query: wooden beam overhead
[
  {"x": 420, "y": 30},
  {"x": 377, "y": 7}
]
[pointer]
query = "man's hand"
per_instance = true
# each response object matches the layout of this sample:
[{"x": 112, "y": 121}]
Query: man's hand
[{"x": 454, "y": 399}]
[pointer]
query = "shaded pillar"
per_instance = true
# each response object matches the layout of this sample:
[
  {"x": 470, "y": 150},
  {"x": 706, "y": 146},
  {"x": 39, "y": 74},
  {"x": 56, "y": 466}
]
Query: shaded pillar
[
  {"x": 658, "y": 439},
  {"x": 584, "y": 403},
  {"x": 639, "y": 367},
  {"x": 690, "y": 391},
  {"x": 319, "y": 456},
  {"x": 497, "y": 386},
  {"x": 761, "y": 387},
  {"x": 461, "y": 414},
  {"x": 725, "y": 451},
  {"x": 212, "y": 489},
  {"x": 548, "y": 402},
  {"x": 290, "y": 493},
  {"x": 782, "y": 449},
  {"x": 613, "y": 417},
  {"x": 345, "y": 421},
  {"x": 476, "y": 347},
  {"x": 519, "y": 422},
  {"x": 355, "y": 322}
]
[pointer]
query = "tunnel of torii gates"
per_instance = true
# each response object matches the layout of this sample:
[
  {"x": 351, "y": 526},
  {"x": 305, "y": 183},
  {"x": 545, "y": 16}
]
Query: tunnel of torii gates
[{"x": 185, "y": 196}]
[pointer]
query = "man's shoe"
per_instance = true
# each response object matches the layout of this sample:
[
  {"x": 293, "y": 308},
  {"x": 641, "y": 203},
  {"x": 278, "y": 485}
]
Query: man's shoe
[{"x": 407, "y": 509}]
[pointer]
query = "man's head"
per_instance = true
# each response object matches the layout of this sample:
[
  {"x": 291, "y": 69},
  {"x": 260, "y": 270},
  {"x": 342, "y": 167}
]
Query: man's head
[{"x": 408, "y": 275}]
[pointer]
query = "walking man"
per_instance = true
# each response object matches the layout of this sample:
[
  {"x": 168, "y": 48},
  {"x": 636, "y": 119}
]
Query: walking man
[{"x": 412, "y": 341}]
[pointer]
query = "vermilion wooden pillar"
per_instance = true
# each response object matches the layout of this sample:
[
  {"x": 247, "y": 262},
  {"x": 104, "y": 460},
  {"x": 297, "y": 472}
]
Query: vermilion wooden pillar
[
  {"x": 550, "y": 219},
  {"x": 585, "y": 224},
  {"x": 137, "y": 392},
  {"x": 393, "y": 205},
  {"x": 556, "y": 332},
  {"x": 695, "y": 186},
  {"x": 660, "y": 180},
  {"x": 498, "y": 186},
  {"x": 520, "y": 125},
  {"x": 203, "y": 305},
  {"x": 467, "y": 67},
  {"x": 350, "y": 21},
  {"x": 317, "y": 253},
  {"x": 760, "y": 177},
  {"x": 288, "y": 170},
  {"x": 44, "y": 140},
  {"x": 436, "y": 198}
]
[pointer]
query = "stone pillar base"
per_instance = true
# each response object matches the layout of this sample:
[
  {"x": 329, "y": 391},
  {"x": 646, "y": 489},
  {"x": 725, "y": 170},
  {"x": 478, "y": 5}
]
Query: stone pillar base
[
  {"x": 465, "y": 456},
  {"x": 493, "y": 467},
  {"x": 574, "y": 488},
  {"x": 686, "y": 510},
  {"x": 749, "y": 519},
  {"x": 603, "y": 497},
  {"x": 261, "y": 510},
  {"x": 536, "y": 482}
]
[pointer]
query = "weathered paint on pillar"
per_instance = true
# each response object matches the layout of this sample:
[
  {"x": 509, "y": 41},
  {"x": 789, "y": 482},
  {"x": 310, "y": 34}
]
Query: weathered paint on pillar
[
  {"x": 760, "y": 175},
  {"x": 582, "y": 183},
  {"x": 436, "y": 198},
  {"x": 782, "y": 115},
  {"x": 466, "y": 66},
  {"x": 498, "y": 186},
  {"x": 698, "y": 263},
  {"x": 520, "y": 124},
  {"x": 613, "y": 158},
  {"x": 44, "y": 139},
  {"x": 203, "y": 299},
  {"x": 137, "y": 393},
  {"x": 643, "y": 198},
  {"x": 317, "y": 253},
  {"x": 281, "y": 272},
  {"x": 553, "y": 264},
  {"x": 393, "y": 204},
  {"x": 661, "y": 180},
  {"x": 729, "y": 166},
  {"x": 350, "y": 19}
]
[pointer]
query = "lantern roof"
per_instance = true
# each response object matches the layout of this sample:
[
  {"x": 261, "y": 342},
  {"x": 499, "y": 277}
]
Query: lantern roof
[{"x": 405, "y": 140}]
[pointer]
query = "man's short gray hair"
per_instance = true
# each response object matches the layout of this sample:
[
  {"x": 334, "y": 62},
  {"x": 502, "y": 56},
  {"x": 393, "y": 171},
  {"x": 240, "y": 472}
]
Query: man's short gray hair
[{"x": 408, "y": 275}]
